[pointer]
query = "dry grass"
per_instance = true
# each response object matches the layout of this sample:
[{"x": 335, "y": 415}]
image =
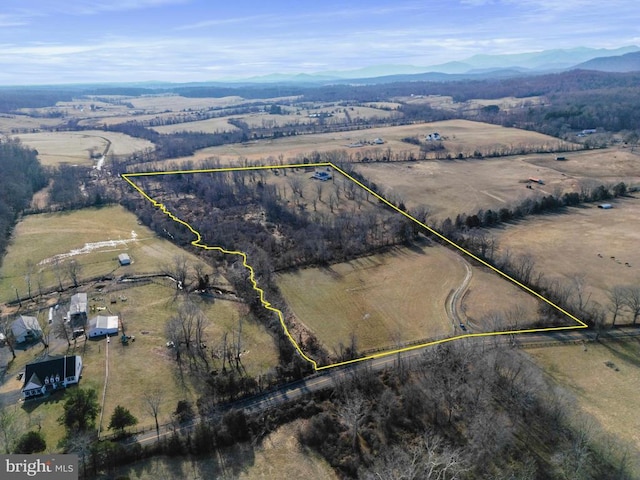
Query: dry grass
[
  {"x": 10, "y": 123},
  {"x": 383, "y": 299},
  {"x": 278, "y": 456},
  {"x": 213, "y": 125},
  {"x": 566, "y": 246},
  {"x": 40, "y": 237},
  {"x": 448, "y": 187},
  {"x": 74, "y": 147},
  {"x": 462, "y": 136},
  {"x": 608, "y": 395},
  {"x": 488, "y": 294}
]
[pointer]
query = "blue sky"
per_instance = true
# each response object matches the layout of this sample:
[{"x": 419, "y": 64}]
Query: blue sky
[{"x": 70, "y": 41}]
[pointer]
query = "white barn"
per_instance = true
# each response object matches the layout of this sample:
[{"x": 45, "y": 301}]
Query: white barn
[{"x": 103, "y": 325}]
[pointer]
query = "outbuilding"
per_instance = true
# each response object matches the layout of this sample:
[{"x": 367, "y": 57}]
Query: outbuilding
[
  {"x": 605, "y": 206},
  {"x": 124, "y": 259},
  {"x": 103, "y": 325},
  {"x": 26, "y": 329}
]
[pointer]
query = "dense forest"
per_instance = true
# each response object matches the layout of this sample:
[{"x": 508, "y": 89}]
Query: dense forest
[{"x": 22, "y": 175}]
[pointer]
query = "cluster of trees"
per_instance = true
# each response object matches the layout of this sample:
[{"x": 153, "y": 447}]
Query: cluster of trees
[
  {"x": 22, "y": 175},
  {"x": 463, "y": 410}
]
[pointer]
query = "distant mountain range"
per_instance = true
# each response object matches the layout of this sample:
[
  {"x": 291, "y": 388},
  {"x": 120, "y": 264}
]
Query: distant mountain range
[{"x": 624, "y": 59}]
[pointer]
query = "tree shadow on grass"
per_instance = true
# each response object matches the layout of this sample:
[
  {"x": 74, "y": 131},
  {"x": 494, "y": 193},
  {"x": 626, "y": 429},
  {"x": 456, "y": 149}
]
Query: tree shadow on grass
[{"x": 619, "y": 351}]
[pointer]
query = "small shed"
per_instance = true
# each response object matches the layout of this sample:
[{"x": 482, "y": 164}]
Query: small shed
[
  {"x": 605, "y": 206},
  {"x": 77, "y": 316},
  {"x": 26, "y": 329},
  {"x": 103, "y": 325},
  {"x": 124, "y": 259}
]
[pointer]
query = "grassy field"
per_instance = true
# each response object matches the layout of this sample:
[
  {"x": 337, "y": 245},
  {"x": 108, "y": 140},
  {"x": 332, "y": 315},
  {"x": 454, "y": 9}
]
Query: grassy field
[
  {"x": 84, "y": 236},
  {"x": 383, "y": 300},
  {"x": 75, "y": 147},
  {"x": 581, "y": 243},
  {"x": 488, "y": 295},
  {"x": 144, "y": 315},
  {"x": 279, "y": 455},
  {"x": 461, "y": 136},
  {"x": 450, "y": 187},
  {"x": 606, "y": 391}
]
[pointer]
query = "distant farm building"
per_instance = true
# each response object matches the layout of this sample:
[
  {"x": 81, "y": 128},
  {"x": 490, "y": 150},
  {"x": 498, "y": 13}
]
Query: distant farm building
[
  {"x": 124, "y": 259},
  {"x": 44, "y": 377},
  {"x": 435, "y": 136},
  {"x": 605, "y": 206},
  {"x": 322, "y": 176},
  {"x": 536, "y": 180},
  {"x": 77, "y": 316},
  {"x": 103, "y": 325},
  {"x": 561, "y": 158},
  {"x": 378, "y": 141},
  {"x": 26, "y": 329}
]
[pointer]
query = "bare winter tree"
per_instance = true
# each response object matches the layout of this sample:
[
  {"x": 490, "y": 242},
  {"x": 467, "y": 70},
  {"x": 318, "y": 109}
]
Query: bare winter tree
[
  {"x": 632, "y": 301},
  {"x": 352, "y": 412},
  {"x": 616, "y": 302},
  {"x": 61, "y": 329},
  {"x": 74, "y": 269},
  {"x": 178, "y": 270},
  {"x": 152, "y": 400}
]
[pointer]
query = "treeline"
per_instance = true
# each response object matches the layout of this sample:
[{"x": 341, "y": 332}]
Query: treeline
[
  {"x": 461, "y": 411},
  {"x": 171, "y": 145},
  {"x": 22, "y": 175},
  {"x": 12, "y": 99}
]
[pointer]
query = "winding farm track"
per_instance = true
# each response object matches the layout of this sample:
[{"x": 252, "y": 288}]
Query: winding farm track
[{"x": 455, "y": 299}]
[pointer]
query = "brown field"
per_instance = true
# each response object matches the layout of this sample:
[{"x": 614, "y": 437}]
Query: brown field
[
  {"x": 450, "y": 187},
  {"x": 566, "y": 246},
  {"x": 298, "y": 115},
  {"x": 402, "y": 296},
  {"x": 38, "y": 238},
  {"x": 368, "y": 297},
  {"x": 460, "y": 136},
  {"x": 279, "y": 455},
  {"x": 608, "y": 395},
  {"x": 213, "y": 125},
  {"x": 11, "y": 123},
  {"x": 494, "y": 304},
  {"x": 447, "y": 103},
  {"x": 74, "y": 147}
]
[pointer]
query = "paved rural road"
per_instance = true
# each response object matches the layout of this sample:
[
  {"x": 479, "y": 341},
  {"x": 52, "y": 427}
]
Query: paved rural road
[{"x": 333, "y": 376}]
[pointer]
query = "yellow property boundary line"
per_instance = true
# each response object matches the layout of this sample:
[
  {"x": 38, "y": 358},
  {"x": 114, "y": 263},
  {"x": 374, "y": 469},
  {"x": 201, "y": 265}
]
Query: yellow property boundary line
[{"x": 266, "y": 304}]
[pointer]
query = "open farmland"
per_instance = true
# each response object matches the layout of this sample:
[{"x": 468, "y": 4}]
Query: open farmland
[
  {"x": 460, "y": 136},
  {"x": 598, "y": 247},
  {"x": 450, "y": 187},
  {"x": 402, "y": 296},
  {"x": 12, "y": 124},
  {"x": 92, "y": 237},
  {"x": 368, "y": 297},
  {"x": 75, "y": 147},
  {"x": 604, "y": 379}
]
